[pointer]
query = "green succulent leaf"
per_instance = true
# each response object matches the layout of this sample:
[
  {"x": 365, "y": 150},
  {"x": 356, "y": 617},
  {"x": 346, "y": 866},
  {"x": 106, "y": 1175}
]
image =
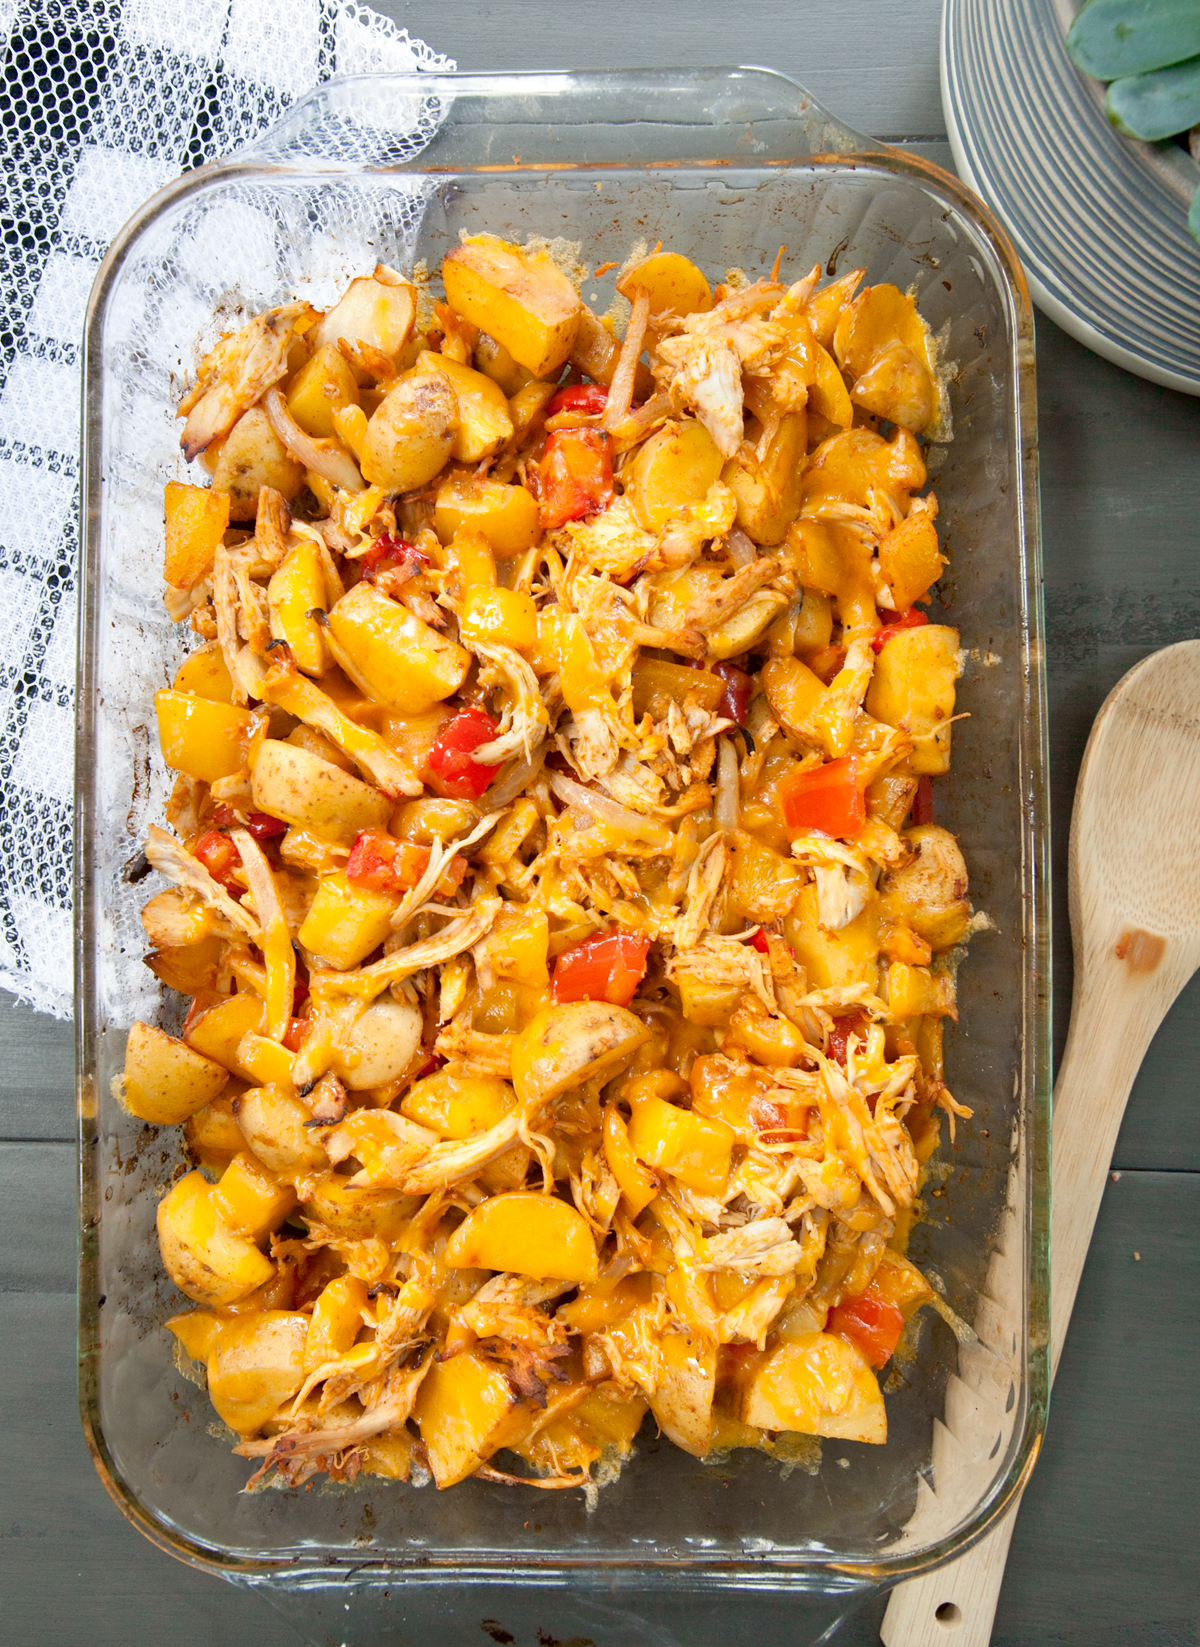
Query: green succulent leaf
[
  {"x": 1156, "y": 105},
  {"x": 1194, "y": 217},
  {"x": 1111, "y": 39}
]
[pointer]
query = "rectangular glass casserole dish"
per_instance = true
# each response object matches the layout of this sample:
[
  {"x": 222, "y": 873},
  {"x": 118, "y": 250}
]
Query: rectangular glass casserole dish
[{"x": 724, "y": 166}]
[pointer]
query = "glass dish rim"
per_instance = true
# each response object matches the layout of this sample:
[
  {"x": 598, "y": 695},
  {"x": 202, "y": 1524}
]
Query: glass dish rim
[{"x": 848, "y": 148}]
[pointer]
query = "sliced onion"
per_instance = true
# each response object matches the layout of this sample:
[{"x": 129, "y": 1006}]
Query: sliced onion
[
  {"x": 609, "y": 812},
  {"x": 742, "y": 551},
  {"x": 725, "y": 802},
  {"x": 620, "y": 394},
  {"x": 324, "y": 457},
  {"x": 515, "y": 780}
]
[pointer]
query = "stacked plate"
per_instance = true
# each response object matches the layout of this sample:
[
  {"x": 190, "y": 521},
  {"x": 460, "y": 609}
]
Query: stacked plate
[{"x": 1100, "y": 220}]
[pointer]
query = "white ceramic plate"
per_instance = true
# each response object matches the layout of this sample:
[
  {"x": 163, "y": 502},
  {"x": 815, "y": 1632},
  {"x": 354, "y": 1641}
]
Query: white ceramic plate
[{"x": 1100, "y": 220}]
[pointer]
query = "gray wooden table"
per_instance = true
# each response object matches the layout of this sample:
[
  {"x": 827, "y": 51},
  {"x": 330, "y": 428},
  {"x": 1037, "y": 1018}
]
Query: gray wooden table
[{"x": 1105, "y": 1550}]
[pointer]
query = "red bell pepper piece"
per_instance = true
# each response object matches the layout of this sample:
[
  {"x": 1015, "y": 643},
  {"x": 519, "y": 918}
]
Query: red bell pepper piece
[
  {"x": 452, "y": 772},
  {"x": 384, "y": 864},
  {"x": 588, "y": 398},
  {"x": 297, "y": 1029},
  {"x": 392, "y": 554},
  {"x": 739, "y": 689},
  {"x": 922, "y": 806},
  {"x": 575, "y": 476},
  {"x": 851, "y": 1023},
  {"x": 829, "y": 798},
  {"x": 607, "y": 967},
  {"x": 218, "y": 855},
  {"x": 260, "y": 824},
  {"x": 912, "y": 619},
  {"x": 264, "y": 827},
  {"x": 870, "y": 1321},
  {"x": 759, "y": 942}
]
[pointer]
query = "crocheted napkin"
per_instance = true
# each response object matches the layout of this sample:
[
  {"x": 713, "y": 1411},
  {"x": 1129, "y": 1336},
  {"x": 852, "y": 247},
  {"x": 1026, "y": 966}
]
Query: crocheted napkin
[{"x": 101, "y": 103}]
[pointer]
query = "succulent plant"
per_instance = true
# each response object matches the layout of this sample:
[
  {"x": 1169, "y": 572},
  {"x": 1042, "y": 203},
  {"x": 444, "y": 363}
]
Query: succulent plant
[{"x": 1149, "y": 52}]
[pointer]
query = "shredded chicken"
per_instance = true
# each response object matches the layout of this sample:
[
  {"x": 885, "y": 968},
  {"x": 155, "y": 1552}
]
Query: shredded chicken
[
  {"x": 512, "y": 929},
  {"x": 171, "y": 859},
  {"x": 236, "y": 373}
]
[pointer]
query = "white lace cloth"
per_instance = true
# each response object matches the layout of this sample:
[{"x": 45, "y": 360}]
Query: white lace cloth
[{"x": 101, "y": 103}]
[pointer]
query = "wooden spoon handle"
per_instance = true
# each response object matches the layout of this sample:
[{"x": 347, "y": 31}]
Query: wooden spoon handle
[{"x": 1117, "y": 1009}]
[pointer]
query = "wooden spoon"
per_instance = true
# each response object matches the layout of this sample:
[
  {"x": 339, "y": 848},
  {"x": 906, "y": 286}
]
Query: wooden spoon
[{"x": 1135, "y": 926}]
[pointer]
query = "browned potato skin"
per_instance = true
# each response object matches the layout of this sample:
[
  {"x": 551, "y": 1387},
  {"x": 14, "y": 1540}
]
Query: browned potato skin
[
  {"x": 291, "y": 783},
  {"x": 671, "y": 470},
  {"x": 358, "y": 1214},
  {"x": 253, "y": 456},
  {"x": 273, "y": 1124},
  {"x": 256, "y": 1363},
  {"x": 930, "y": 893},
  {"x": 411, "y": 435}
]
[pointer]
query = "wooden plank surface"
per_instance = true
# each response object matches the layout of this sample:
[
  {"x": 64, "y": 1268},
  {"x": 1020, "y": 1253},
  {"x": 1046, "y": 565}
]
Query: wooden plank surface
[{"x": 1104, "y": 1554}]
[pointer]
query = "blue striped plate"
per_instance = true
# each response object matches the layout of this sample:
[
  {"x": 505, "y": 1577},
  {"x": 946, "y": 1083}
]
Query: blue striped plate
[{"x": 1100, "y": 220}]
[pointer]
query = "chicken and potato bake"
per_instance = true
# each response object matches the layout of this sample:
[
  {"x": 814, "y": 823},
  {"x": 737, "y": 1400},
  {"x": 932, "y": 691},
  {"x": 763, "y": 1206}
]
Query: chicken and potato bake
[{"x": 553, "y": 868}]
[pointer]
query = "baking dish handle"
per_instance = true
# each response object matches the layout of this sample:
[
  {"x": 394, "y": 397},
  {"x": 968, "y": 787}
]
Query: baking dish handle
[
  {"x": 458, "y": 122},
  {"x": 375, "y": 1609}
]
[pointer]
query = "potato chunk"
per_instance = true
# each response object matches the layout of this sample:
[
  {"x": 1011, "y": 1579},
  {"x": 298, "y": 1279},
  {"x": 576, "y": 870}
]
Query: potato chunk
[
  {"x": 483, "y": 421},
  {"x": 913, "y": 687},
  {"x": 507, "y": 516},
  {"x": 358, "y": 1212},
  {"x": 456, "y": 1105},
  {"x": 519, "y": 298},
  {"x": 817, "y": 1385},
  {"x": 377, "y": 309},
  {"x": 694, "y": 1150},
  {"x": 219, "y": 1032},
  {"x": 527, "y": 1233},
  {"x": 461, "y": 1410},
  {"x": 910, "y": 559},
  {"x": 203, "y": 1256},
  {"x": 833, "y": 959},
  {"x": 567, "y": 1045},
  {"x": 200, "y": 736},
  {"x": 256, "y": 1363},
  {"x": 337, "y": 1319},
  {"x": 670, "y": 471},
  {"x": 166, "y": 1080},
  {"x": 898, "y": 386},
  {"x": 292, "y": 784},
  {"x": 768, "y": 490},
  {"x": 250, "y": 1199},
  {"x": 203, "y": 674},
  {"x": 381, "y": 1045},
  {"x": 253, "y": 456},
  {"x": 293, "y": 594},
  {"x": 675, "y": 285},
  {"x": 346, "y": 922},
  {"x": 411, "y": 434},
  {"x": 323, "y": 386},
  {"x": 196, "y": 520},
  {"x": 930, "y": 893},
  {"x": 682, "y": 1401},
  {"x": 392, "y": 655},
  {"x": 273, "y": 1123}
]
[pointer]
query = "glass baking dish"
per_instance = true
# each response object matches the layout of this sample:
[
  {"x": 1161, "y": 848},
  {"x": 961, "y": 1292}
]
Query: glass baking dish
[{"x": 723, "y": 165}]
